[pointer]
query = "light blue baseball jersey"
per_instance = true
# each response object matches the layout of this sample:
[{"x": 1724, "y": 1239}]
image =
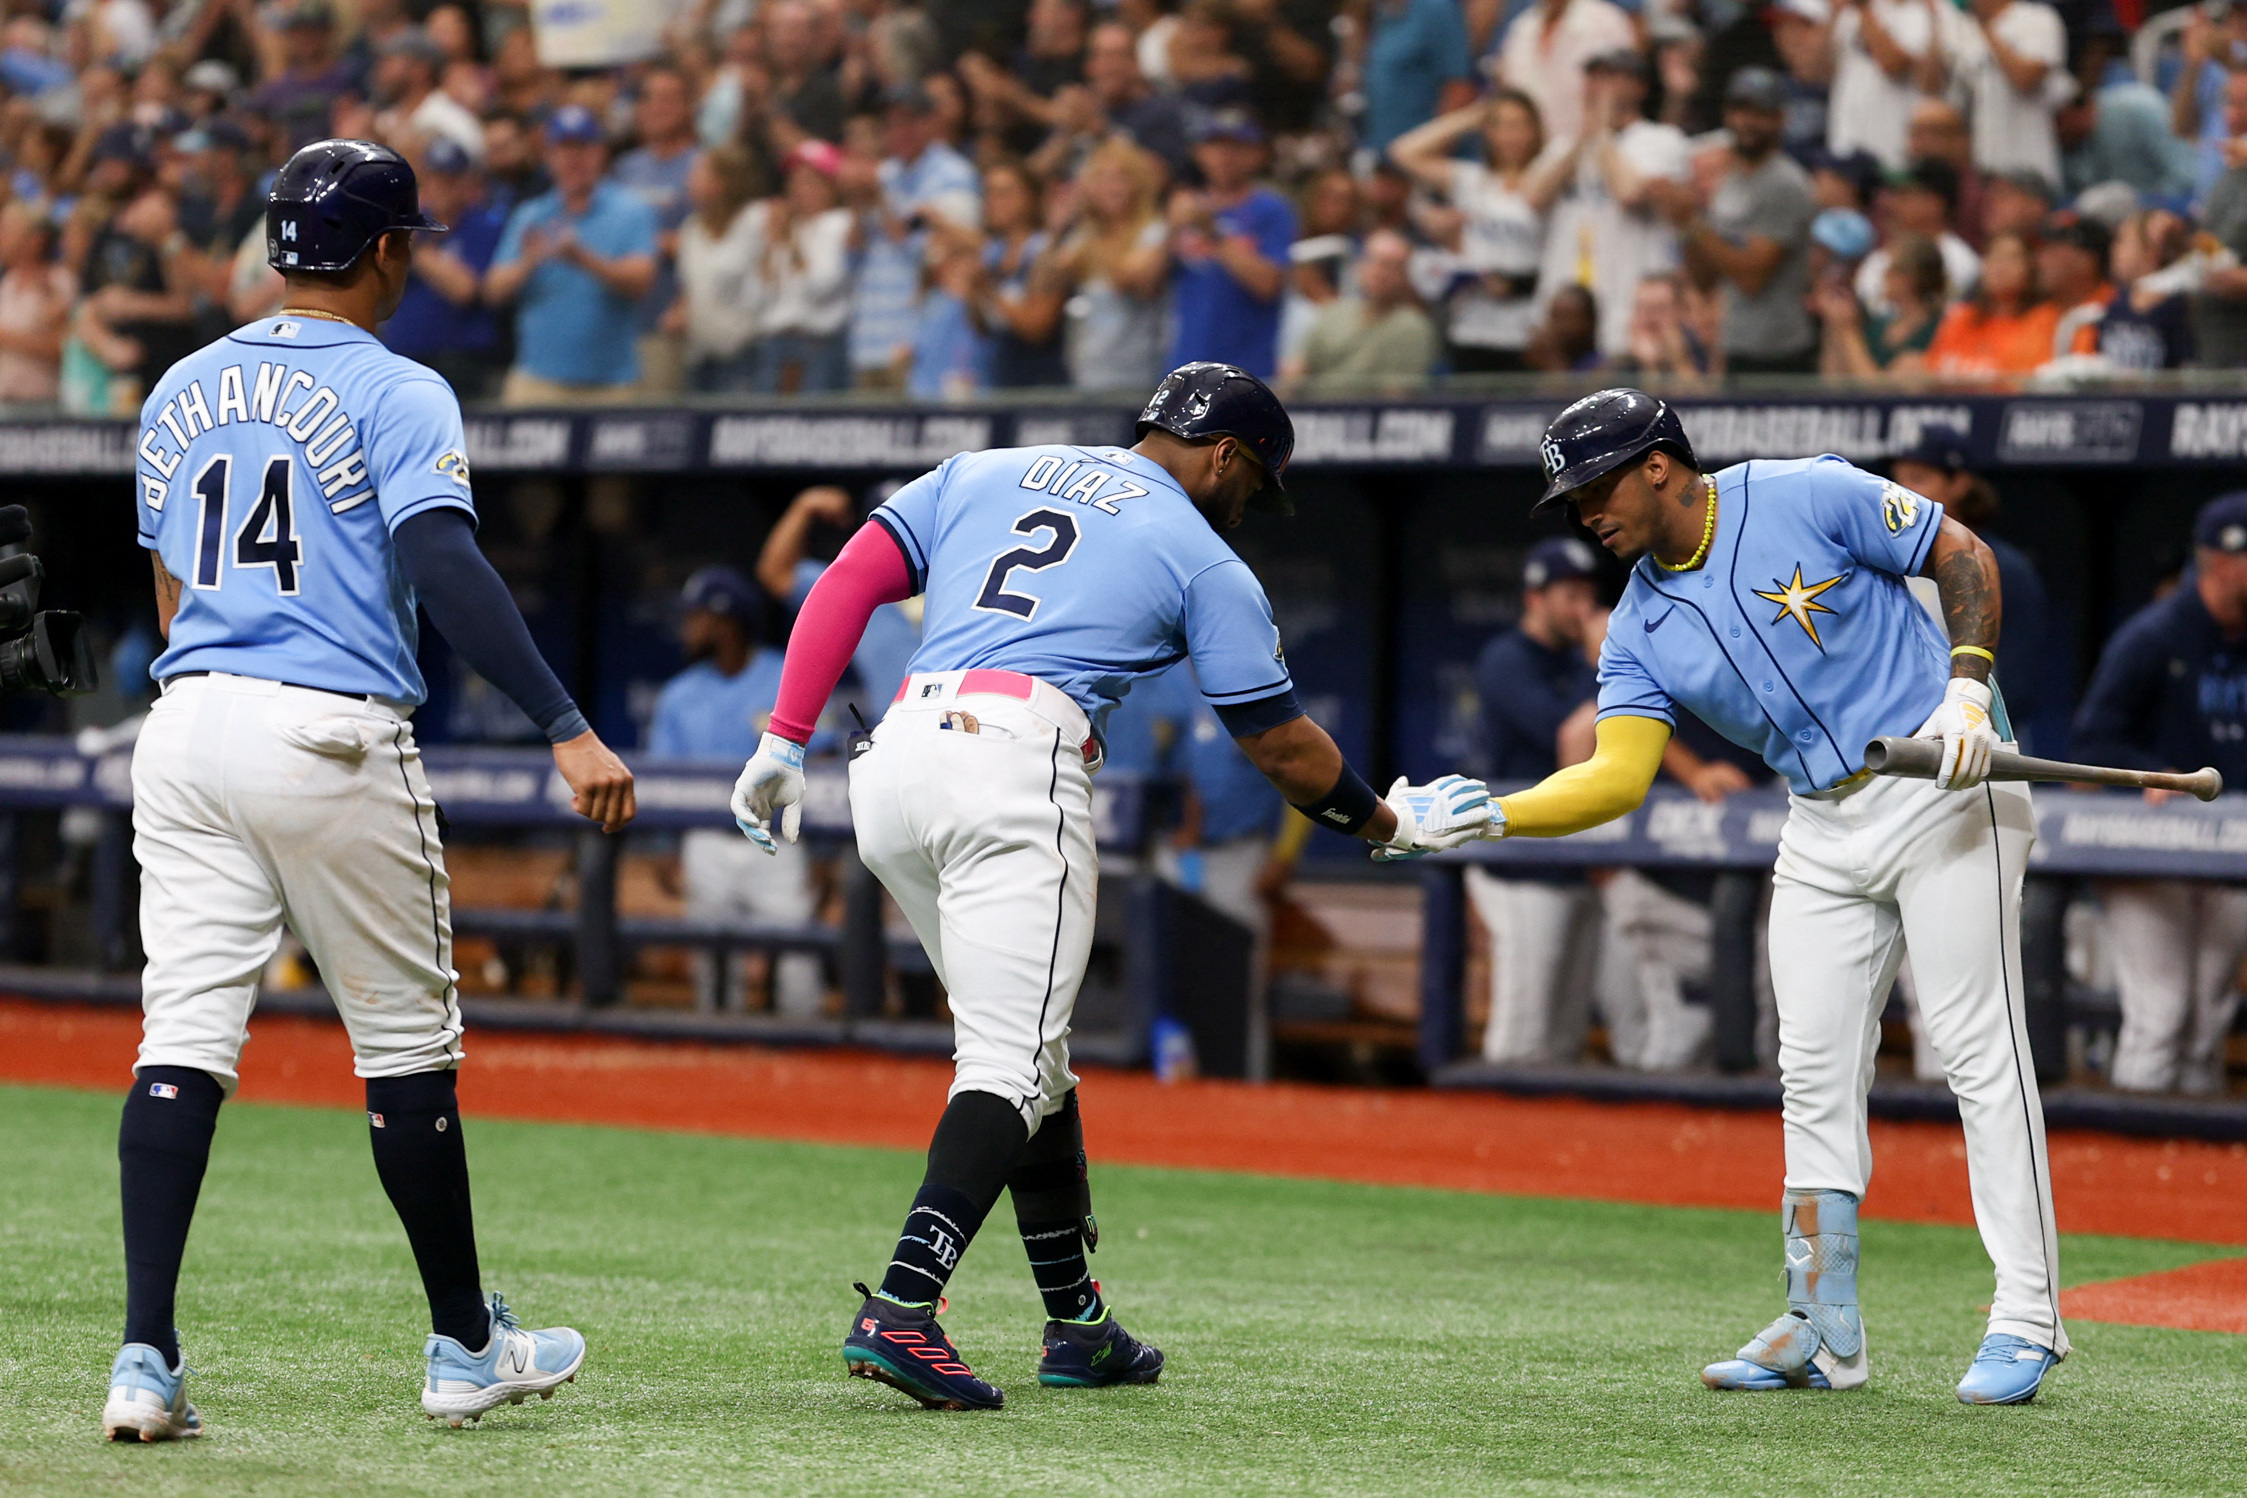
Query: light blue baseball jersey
[
  {"x": 702, "y": 713},
  {"x": 1798, "y": 638},
  {"x": 273, "y": 466},
  {"x": 1086, "y": 567}
]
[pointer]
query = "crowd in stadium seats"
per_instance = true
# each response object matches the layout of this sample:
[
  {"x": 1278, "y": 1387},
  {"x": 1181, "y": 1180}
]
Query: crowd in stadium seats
[{"x": 943, "y": 197}]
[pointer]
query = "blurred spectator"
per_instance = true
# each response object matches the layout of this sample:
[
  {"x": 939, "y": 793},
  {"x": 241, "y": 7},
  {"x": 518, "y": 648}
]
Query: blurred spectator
[
  {"x": 1568, "y": 338},
  {"x": 1416, "y": 66},
  {"x": 2220, "y": 313},
  {"x": 1153, "y": 24},
  {"x": 1205, "y": 63},
  {"x": 719, "y": 307},
  {"x": 1663, "y": 346},
  {"x": 1378, "y": 339},
  {"x": 2005, "y": 327},
  {"x": 2120, "y": 133},
  {"x": 2013, "y": 71},
  {"x": 35, "y": 298},
  {"x": 2170, "y": 693},
  {"x": 1229, "y": 246},
  {"x": 1015, "y": 105},
  {"x": 1022, "y": 321},
  {"x": 806, "y": 246},
  {"x": 804, "y": 87},
  {"x": 2015, "y": 202},
  {"x": 299, "y": 97},
  {"x": 1289, "y": 46},
  {"x": 1503, "y": 200},
  {"x": 1802, "y": 33},
  {"x": 405, "y": 84},
  {"x": 138, "y": 317},
  {"x": 442, "y": 320},
  {"x": 1848, "y": 180},
  {"x": 1862, "y": 342},
  {"x": 1110, "y": 270},
  {"x": 951, "y": 357},
  {"x": 1544, "y": 929},
  {"x": 1114, "y": 97},
  {"x": 1888, "y": 54},
  {"x": 922, "y": 183},
  {"x": 575, "y": 264},
  {"x": 714, "y": 712},
  {"x": 1938, "y": 132},
  {"x": 1755, "y": 236},
  {"x": 656, "y": 173},
  {"x": 1604, "y": 233},
  {"x": 2149, "y": 324},
  {"x": 1323, "y": 257},
  {"x": 1546, "y": 51},
  {"x": 2071, "y": 265},
  {"x": 2215, "y": 53},
  {"x": 1918, "y": 203},
  {"x": 219, "y": 209}
]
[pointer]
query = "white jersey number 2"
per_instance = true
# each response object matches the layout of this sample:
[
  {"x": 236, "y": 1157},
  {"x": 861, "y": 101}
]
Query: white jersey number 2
[{"x": 995, "y": 597}]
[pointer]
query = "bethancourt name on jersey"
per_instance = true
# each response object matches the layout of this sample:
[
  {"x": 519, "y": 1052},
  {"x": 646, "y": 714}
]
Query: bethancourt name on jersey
[{"x": 319, "y": 426}]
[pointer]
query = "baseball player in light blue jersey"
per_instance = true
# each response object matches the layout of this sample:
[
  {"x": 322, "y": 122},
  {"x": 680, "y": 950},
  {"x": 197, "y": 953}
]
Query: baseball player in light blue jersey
[
  {"x": 1053, "y": 577},
  {"x": 300, "y": 490},
  {"x": 1771, "y": 601}
]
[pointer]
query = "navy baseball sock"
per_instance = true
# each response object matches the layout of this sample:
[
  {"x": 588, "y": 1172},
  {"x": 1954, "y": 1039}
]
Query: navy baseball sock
[
  {"x": 1053, "y": 1209},
  {"x": 414, "y": 1123},
  {"x": 163, "y": 1144},
  {"x": 975, "y": 1145}
]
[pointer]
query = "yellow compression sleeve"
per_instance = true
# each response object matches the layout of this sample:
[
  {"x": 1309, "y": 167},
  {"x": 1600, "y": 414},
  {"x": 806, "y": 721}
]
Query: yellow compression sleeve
[{"x": 1613, "y": 781}]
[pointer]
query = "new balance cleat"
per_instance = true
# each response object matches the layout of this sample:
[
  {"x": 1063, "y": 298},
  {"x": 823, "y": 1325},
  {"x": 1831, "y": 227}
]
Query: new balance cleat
[
  {"x": 147, "y": 1401},
  {"x": 2007, "y": 1370},
  {"x": 514, "y": 1365},
  {"x": 1093, "y": 1355},
  {"x": 902, "y": 1346}
]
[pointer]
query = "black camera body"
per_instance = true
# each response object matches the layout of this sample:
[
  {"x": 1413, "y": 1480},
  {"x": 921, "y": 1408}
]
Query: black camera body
[{"x": 41, "y": 650}]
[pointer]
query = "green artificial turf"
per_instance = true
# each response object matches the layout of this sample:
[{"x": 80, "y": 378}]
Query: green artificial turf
[{"x": 1322, "y": 1338}]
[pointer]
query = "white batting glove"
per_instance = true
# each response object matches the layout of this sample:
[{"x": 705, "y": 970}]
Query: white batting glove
[
  {"x": 1963, "y": 724},
  {"x": 772, "y": 781},
  {"x": 1444, "y": 813}
]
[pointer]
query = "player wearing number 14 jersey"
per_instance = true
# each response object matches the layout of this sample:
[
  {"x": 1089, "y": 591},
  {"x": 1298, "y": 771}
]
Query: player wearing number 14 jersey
[{"x": 1054, "y": 577}]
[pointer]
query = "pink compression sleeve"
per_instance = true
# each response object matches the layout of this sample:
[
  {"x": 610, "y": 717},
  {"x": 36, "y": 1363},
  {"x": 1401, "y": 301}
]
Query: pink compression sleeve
[{"x": 869, "y": 572}]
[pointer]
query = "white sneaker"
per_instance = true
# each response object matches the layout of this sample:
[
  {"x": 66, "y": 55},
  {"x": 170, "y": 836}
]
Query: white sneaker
[
  {"x": 514, "y": 1365},
  {"x": 147, "y": 1401}
]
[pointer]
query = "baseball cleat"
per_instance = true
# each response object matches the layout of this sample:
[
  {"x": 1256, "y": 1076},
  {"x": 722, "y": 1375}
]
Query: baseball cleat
[
  {"x": 2006, "y": 1370},
  {"x": 1787, "y": 1354},
  {"x": 902, "y": 1346},
  {"x": 514, "y": 1365},
  {"x": 147, "y": 1401},
  {"x": 1095, "y": 1354}
]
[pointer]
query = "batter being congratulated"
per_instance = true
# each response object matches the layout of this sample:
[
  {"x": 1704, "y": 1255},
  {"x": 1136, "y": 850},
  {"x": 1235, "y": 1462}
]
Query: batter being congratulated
[
  {"x": 1054, "y": 576},
  {"x": 1770, "y": 600}
]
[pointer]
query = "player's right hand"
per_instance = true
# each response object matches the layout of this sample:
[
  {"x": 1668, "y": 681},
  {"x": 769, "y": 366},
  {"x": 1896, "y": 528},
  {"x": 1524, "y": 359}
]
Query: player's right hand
[
  {"x": 1444, "y": 813},
  {"x": 600, "y": 785},
  {"x": 771, "y": 783}
]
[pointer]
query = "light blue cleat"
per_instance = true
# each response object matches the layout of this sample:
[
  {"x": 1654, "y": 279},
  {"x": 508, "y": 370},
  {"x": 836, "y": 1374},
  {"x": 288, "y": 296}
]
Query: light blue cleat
[
  {"x": 514, "y": 1365},
  {"x": 1780, "y": 1357},
  {"x": 147, "y": 1401},
  {"x": 2007, "y": 1370}
]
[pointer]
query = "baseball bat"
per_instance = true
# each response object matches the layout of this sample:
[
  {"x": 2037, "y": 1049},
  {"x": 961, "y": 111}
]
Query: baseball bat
[{"x": 1919, "y": 759}]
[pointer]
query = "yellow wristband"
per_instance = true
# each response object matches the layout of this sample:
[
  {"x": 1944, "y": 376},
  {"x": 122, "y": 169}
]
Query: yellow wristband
[{"x": 1974, "y": 650}]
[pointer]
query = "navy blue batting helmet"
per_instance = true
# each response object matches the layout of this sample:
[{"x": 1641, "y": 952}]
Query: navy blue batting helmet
[
  {"x": 334, "y": 198},
  {"x": 1205, "y": 400},
  {"x": 1603, "y": 431}
]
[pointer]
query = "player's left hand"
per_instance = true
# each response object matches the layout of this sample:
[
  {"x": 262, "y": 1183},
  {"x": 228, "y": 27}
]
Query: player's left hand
[
  {"x": 600, "y": 785},
  {"x": 1444, "y": 813},
  {"x": 1963, "y": 724},
  {"x": 771, "y": 785}
]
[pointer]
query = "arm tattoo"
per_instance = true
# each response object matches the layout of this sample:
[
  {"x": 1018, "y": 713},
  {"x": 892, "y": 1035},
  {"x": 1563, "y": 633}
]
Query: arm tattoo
[
  {"x": 167, "y": 593},
  {"x": 1966, "y": 578}
]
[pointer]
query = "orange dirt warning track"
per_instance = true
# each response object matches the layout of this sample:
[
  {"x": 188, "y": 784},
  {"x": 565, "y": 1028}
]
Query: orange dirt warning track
[{"x": 1652, "y": 1153}]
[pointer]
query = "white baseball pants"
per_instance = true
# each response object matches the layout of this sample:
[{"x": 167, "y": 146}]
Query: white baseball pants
[
  {"x": 1860, "y": 873},
  {"x": 1544, "y": 956},
  {"x": 2176, "y": 946},
  {"x": 255, "y": 806},
  {"x": 974, "y": 809},
  {"x": 727, "y": 877},
  {"x": 1667, "y": 940}
]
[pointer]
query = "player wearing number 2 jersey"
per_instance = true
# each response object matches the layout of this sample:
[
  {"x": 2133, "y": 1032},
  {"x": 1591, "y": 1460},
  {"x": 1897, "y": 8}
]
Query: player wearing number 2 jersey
[
  {"x": 1054, "y": 576},
  {"x": 301, "y": 490}
]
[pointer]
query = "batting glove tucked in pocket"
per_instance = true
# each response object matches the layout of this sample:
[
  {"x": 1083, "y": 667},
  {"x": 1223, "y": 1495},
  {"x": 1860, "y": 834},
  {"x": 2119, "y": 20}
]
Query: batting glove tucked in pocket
[
  {"x": 1442, "y": 814},
  {"x": 1963, "y": 724},
  {"x": 772, "y": 782}
]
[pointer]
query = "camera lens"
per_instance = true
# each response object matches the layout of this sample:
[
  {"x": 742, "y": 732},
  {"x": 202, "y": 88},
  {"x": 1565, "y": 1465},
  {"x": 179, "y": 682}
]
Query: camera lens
[{"x": 52, "y": 656}]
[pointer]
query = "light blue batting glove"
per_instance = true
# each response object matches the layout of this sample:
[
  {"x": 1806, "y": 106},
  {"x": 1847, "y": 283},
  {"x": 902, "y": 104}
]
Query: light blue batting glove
[
  {"x": 1444, "y": 813},
  {"x": 772, "y": 782}
]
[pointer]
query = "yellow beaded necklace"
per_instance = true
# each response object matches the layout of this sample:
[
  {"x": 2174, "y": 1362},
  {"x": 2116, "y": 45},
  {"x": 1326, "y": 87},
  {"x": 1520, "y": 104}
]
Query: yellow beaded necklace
[{"x": 1708, "y": 534}]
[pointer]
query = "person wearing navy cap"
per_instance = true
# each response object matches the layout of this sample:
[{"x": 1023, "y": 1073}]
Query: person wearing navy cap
[
  {"x": 1229, "y": 251},
  {"x": 2171, "y": 693},
  {"x": 1544, "y": 928},
  {"x": 715, "y": 711},
  {"x": 442, "y": 321},
  {"x": 575, "y": 263}
]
